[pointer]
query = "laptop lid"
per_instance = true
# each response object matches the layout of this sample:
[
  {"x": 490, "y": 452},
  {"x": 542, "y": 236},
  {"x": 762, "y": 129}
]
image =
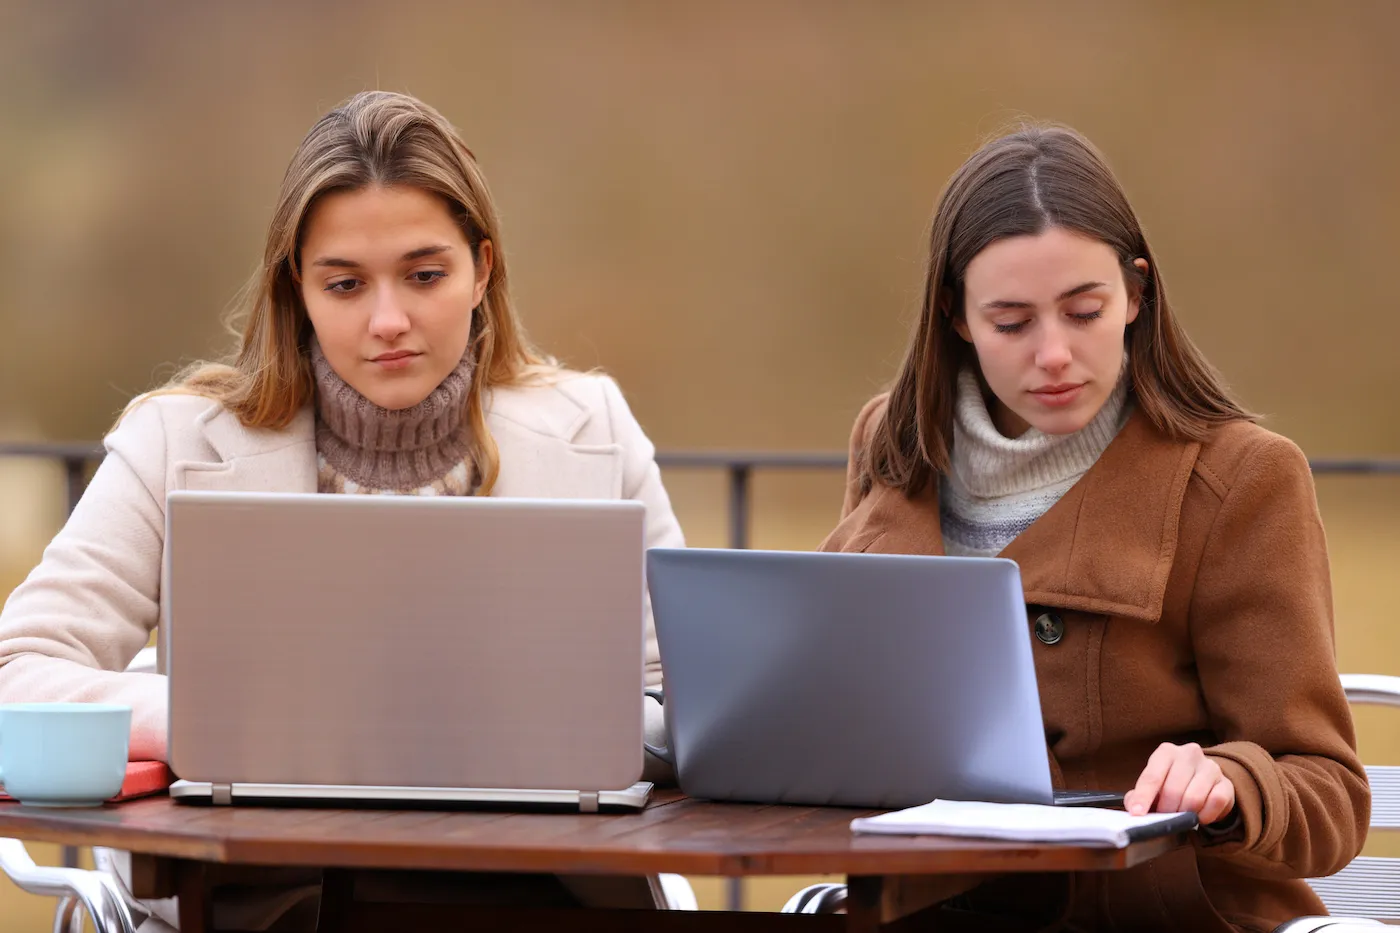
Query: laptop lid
[
  {"x": 404, "y": 641},
  {"x": 848, "y": 679}
]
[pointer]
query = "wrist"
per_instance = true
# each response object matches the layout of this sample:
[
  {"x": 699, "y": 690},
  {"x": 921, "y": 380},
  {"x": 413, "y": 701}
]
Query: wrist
[{"x": 1229, "y": 828}]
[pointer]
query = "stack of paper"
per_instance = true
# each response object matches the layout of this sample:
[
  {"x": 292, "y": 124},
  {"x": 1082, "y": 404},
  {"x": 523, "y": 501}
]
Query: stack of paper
[{"x": 1026, "y": 822}]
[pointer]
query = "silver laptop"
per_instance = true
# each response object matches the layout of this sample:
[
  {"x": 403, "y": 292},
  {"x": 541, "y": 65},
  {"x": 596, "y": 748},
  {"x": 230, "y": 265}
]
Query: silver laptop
[
  {"x": 408, "y": 650},
  {"x": 849, "y": 679}
]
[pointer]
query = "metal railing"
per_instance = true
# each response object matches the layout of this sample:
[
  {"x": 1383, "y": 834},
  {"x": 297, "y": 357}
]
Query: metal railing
[{"x": 739, "y": 468}]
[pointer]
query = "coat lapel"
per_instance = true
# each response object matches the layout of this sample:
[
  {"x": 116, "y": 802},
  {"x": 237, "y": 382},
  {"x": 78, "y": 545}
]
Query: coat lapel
[
  {"x": 1106, "y": 547},
  {"x": 251, "y": 459}
]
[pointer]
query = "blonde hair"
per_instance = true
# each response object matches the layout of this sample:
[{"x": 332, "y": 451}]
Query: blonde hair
[{"x": 374, "y": 138}]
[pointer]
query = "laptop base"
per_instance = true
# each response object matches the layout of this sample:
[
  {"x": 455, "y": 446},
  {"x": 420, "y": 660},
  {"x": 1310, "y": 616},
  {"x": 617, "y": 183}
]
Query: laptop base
[
  {"x": 345, "y": 795},
  {"x": 1088, "y": 798}
]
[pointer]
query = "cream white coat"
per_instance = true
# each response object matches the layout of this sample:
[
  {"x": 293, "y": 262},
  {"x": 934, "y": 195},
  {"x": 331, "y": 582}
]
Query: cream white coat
[{"x": 71, "y": 628}]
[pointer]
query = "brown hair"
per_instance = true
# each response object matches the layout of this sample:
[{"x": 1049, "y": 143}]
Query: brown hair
[
  {"x": 374, "y": 138},
  {"x": 1023, "y": 184}
]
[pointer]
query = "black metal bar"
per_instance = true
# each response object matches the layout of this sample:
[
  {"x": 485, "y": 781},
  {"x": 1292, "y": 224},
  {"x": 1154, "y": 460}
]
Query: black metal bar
[
  {"x": 719, "y": 459},
  {"x": 733, "y": 893},
  {"x": 1358, "y": 467},
  {"x": 700, "y": 459},
  {"x": 75, "y": 469},
  {"x": 48, "y": 450},
  {"x": 740, "y": 487},
  {"x": 818, "y": 460}
]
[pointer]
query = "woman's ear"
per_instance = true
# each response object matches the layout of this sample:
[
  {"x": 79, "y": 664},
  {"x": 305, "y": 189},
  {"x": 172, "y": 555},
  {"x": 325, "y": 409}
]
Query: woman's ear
[
  {"x": 946, "y": 309},
  {"x": 1135, "y": 292},
  {"x": 485, "y": 260}
]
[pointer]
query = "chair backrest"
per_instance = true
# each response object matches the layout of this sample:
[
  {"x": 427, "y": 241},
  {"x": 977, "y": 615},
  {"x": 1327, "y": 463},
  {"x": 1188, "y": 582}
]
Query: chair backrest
[{"x": 1370, "y": 885}]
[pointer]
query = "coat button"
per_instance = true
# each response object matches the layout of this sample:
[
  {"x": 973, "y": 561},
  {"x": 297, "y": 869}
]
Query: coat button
[{"x": 1049, "y": 628}]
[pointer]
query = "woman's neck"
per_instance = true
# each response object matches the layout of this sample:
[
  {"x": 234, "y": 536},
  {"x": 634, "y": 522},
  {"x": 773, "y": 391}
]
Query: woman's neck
[{"x": 391, "y": 450}]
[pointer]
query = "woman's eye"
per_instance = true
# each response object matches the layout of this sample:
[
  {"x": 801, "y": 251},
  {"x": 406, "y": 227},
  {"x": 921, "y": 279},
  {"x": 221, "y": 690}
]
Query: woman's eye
[
  {"x": 344, "y": 286},
  {"x": 1010, "y": 328},
  {"x": 1084, "y": 317},
  {"x": 427, "y": 276}
]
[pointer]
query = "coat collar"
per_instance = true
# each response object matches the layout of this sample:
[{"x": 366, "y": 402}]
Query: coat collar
[
  {"x": 535, "y": 429},
  {"x": 1106, "y": 546}
]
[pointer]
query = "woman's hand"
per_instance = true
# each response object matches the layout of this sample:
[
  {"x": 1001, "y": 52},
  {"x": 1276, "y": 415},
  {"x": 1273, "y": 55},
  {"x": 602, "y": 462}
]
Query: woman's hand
[{"x": 1182, "y": 778}]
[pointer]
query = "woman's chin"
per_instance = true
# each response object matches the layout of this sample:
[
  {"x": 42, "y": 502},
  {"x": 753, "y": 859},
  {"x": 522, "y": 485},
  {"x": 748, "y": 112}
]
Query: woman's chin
[{"x": 1060, "y": 423}]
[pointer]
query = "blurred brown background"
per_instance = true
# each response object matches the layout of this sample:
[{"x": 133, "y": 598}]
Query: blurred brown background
[{"x": 722, "y": 204}]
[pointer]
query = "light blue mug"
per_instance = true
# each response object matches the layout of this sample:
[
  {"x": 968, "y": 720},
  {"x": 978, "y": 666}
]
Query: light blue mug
[{"x": 63, "y": 754}]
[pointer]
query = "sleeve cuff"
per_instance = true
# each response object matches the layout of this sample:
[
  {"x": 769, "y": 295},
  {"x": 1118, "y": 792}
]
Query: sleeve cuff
[
  {"x": 1244, "y": 827},
  {"x": 150, "y": 717},
  {"x": 1223, "y": 831},
  {"x": 654, "y": 728}
]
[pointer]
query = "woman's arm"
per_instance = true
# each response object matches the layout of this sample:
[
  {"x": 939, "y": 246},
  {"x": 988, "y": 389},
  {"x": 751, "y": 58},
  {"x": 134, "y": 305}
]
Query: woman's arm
[
  {"x": 1262, "y": 632},
  {"x": 641, "y": 480},
  {"x": 68, "y": 631}
]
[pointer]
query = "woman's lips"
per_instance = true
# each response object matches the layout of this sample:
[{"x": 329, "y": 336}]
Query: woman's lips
[
  {"x": 1058, "y": 396},
  {"x": 396, "y": 359}
]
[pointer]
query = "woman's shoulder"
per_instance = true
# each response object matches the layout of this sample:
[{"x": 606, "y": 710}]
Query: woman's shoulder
[
  {"x": 870, "y": 414},
  {"x": 558, "y": 396},
  {"x": 1240, "y": 451},
  {"x": 595, "y": 390},
  {"x": 551, "y": 385},
  {"x": 161, "y": 414}
]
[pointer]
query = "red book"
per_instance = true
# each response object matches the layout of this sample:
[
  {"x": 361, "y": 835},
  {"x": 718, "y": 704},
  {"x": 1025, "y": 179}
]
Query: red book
[{"x": 143, "y": 778}]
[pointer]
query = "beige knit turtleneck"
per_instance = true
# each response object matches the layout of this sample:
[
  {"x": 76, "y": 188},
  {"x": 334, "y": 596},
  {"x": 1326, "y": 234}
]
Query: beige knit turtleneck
[{"x": 363, "y": 448}]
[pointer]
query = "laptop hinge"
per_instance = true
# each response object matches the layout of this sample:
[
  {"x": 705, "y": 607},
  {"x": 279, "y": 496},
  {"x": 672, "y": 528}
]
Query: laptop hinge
[
  {"x": 221, "y": 794},
  {"x": 588, "y": 802}
]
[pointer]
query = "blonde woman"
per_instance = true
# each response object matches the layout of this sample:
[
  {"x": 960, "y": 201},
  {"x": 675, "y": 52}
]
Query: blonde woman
[{"x": 380, "y": 354}]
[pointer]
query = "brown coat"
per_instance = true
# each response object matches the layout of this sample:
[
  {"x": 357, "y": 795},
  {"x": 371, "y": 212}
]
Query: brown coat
[{"x": 1193, "y": 586}]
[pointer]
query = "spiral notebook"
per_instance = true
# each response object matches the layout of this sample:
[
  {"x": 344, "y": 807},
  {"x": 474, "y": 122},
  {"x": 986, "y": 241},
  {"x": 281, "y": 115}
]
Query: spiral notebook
[{"x": 1026, "y": 822}]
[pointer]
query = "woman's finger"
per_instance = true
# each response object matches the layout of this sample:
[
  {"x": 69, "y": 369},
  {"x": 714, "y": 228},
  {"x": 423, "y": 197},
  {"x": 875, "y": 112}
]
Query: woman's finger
[
  {"x": 1139, "y": 800},
  {"x": 1219, "y": 803},
  {"x": 1193, "y": 799},
  {"x": 1178, "y": 779}
]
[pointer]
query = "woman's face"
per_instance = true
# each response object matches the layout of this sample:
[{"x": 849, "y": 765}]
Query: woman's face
[
  {"x": 389, "y": 283},
  {"x": 1046, "y": 316}
]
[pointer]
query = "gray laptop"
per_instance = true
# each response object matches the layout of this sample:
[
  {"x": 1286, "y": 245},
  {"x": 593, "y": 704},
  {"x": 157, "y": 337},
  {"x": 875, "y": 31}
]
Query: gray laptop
[
  {"x": 405, "y": 650},
  {"x": 849, "y": 679}
]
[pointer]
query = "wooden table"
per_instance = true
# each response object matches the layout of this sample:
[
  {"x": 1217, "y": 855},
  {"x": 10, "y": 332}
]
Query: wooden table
[{"x": 178, "y": 849}]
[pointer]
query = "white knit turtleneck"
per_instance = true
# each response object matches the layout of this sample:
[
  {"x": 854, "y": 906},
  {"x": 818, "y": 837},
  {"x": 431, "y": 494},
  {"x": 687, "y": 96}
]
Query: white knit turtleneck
[{"x": 998, "y": 486}]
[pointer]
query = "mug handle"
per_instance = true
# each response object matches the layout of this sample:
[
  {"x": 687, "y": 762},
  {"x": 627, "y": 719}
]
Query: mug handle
[{"x": 660, "y": 751}]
